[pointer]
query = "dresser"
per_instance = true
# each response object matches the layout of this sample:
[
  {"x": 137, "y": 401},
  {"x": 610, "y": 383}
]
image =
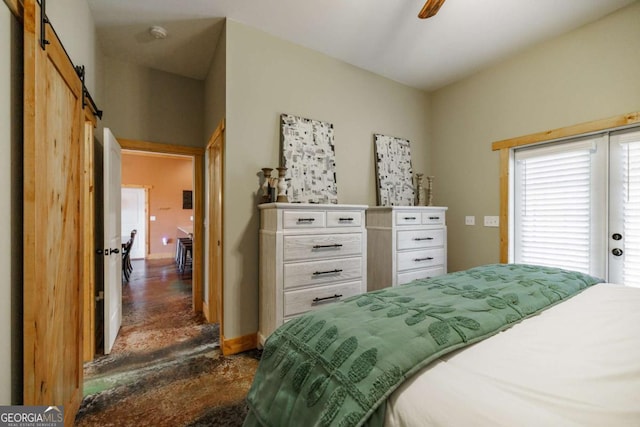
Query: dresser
[
  {"x": 405, "y": 243},
  {"x": 310, "y": 255}
]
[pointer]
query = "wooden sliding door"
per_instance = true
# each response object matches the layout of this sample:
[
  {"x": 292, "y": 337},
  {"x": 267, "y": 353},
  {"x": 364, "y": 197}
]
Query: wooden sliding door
[{"x": 53, "y": 221}]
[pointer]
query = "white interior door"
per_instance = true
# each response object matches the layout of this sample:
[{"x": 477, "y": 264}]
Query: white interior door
[
  {"x": 112, "y": 240},
  {"x": 134, "y": 218}
]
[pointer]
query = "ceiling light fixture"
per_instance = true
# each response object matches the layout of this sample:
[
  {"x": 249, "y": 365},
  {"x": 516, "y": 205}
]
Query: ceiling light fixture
[{"x": 158, "y": 32}]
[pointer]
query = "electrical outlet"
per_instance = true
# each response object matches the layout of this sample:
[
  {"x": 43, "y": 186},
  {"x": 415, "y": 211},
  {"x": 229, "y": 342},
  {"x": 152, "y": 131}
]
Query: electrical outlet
[
  {"x": 470, "y": 220},
  {"x": 491, "y": 221}
]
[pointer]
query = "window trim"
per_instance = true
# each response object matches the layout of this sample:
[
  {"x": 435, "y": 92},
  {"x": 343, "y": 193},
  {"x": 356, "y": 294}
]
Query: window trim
[{"x": 507, "y": 146}]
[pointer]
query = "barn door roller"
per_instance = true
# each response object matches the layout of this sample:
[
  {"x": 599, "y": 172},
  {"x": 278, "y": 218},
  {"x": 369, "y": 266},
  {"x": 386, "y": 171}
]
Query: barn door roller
[
  {"x": 86, "y": 96},
  {"x": 43, "y": 23}
]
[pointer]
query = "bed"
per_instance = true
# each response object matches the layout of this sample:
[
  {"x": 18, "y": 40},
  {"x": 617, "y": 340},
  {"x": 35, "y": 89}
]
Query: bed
[{"x": 498, "y": 345}]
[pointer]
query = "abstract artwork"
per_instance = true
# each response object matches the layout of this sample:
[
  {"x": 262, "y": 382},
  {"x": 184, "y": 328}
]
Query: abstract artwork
[
  {"x": 309, "y": 156},
  {"x": 394, "y": 177}
]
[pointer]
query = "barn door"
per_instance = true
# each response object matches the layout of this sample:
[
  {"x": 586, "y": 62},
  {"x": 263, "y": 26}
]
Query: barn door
[{"x": 53, "y": 221}]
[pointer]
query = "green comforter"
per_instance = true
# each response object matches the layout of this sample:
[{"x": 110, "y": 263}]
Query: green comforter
[{"x": 337, "y": 365}]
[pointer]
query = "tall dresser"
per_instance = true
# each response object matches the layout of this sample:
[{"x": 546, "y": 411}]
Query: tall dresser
[
  {"x": 310, "y": 255},
  {"x": 405, "y": 243}
]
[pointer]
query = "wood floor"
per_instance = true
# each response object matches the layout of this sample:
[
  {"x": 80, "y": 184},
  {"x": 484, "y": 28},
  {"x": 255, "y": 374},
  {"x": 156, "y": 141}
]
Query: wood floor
[{"x": 166, "y": 367}]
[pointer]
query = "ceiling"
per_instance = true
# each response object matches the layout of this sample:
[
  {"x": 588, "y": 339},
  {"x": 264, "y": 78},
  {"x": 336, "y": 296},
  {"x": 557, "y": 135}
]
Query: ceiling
[{"x": 382, "y": 36}]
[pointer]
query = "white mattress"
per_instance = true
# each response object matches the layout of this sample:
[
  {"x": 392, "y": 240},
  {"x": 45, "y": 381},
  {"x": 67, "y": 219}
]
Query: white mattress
[{"x": 575, "y": 364}]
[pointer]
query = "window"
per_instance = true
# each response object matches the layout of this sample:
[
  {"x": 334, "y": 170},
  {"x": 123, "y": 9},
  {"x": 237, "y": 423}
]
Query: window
[
  {"x": 570, "y": 198},
  {"x": 559, "y": 198}
]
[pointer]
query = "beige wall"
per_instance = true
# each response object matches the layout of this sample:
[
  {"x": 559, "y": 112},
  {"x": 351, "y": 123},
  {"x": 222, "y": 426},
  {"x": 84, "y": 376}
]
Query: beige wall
[
  {"x": 166, "y": 178},
  {"x": 214, "y": 86},
  {"x": 74, "y": 25},
  {"x": 267, "y": 76},
  {"x": 10, "y": 206},
  {"x": 150, "y": 105},
  {"x": 590, "y": 73}
]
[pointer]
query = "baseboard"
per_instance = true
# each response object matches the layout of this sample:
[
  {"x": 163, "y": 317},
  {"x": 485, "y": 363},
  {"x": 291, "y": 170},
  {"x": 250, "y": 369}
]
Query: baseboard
[
  {"x": 239, "y": 344},
  {"x": 163, "y": 255}
]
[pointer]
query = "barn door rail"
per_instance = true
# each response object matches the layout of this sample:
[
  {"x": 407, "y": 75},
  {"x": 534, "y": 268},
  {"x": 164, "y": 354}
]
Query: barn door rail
[
  {"x": 86, "y": 96},
  {"x": 87, "y": 99}
]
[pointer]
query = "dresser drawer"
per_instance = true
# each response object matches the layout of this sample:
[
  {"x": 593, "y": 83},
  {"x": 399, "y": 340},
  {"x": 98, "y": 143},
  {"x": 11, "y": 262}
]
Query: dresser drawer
[
  {"x": 433, "y": 218},
  {"x": 415, "y": 239},
  {"x": 317, "y": 272},
  {"x": 408, "y": 218},
  {"x": 427, "y": 273},
  {"x": 344, "y": 219},
  {"x": 303, "y": 219},
  {"x": 411, "y": 260},
  {"x": 302, "y": 300},
  {"x": 322, "y": 246}
]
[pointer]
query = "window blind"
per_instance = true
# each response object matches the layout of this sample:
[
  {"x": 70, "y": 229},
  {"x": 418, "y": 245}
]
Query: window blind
[
  {"x": 631, "y": 209},
  {"x": 553, "y": 206}
]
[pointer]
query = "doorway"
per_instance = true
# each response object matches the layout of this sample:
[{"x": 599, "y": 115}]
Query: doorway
[
  {"x": 162, "y": 186},
  {"x": 197, "y": 157},
  {"x": 135, "y": 208},
  {"x": 575, "y": 205}
]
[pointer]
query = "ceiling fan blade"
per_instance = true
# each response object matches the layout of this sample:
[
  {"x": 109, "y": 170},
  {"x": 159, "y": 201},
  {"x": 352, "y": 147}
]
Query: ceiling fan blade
[{"x": 430, "y": 8}]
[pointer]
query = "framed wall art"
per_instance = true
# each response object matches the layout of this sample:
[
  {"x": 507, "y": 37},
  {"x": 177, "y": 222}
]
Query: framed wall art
[
  {"x": 187, "y": 199},
  {"x": 394, "y": 176},
  {"x": 308, "y": 153}
]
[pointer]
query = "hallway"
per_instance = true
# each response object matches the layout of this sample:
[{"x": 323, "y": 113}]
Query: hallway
[{"x": 166, "y": 367}]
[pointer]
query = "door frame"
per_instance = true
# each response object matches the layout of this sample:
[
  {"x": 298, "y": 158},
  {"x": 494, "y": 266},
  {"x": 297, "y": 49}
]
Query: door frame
[
  {"x": 89, "y": 287},
  {"x": 197, "y": 153},
  {"x": 214, "y": 307}
]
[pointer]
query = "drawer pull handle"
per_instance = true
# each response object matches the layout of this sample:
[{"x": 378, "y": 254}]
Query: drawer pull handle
[
  {"x": 422, "y": 238},
  {"x": 434, "y": 217},
  {"x": 306, "y": 219},
  {"x": 335, "y": 245},
  {"x": 423, "y": 259},
  {"x": 319, "y": 300},
  {"x": 345, "y": 219},
  {"x": 410, "y": 218},
  {"x": 336, "y": 271}
]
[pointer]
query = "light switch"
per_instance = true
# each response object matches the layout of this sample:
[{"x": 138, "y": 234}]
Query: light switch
[
  {"x": 491, "y": 221},
  {"x": 470, "y": 220},
  {"x": 152, "y": 218}
]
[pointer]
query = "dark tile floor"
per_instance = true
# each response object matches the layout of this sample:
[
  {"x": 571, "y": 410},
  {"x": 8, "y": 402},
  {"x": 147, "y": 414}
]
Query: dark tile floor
[{"x": 166, "y": 368}]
